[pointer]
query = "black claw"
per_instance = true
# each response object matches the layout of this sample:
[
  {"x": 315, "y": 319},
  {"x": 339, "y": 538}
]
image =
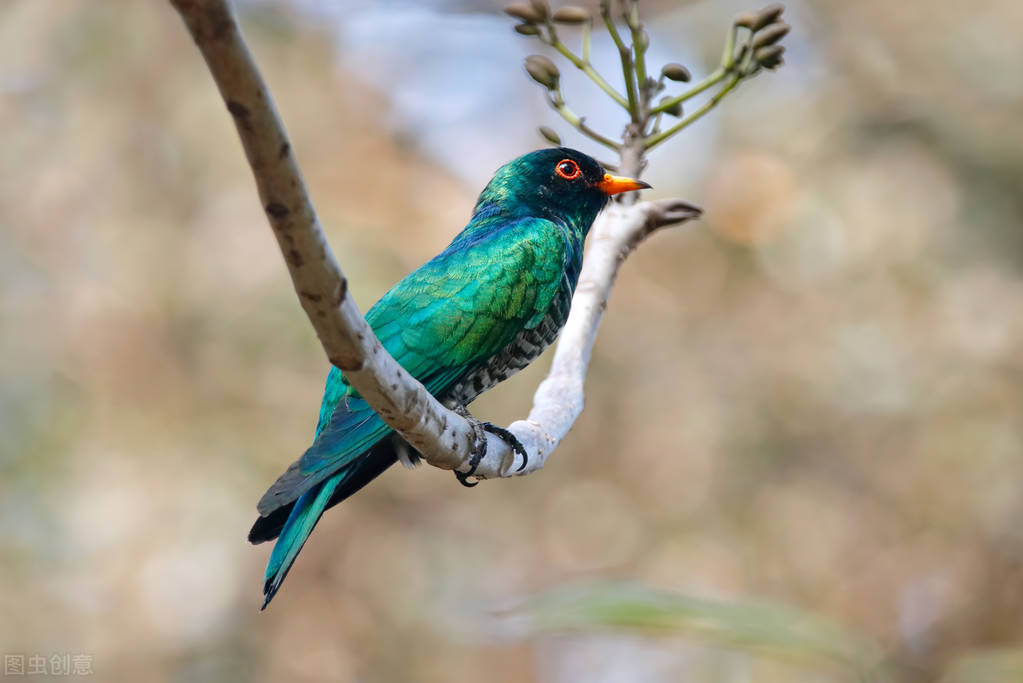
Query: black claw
[
  {"x": 463, "y": 479},
  {"x": 511, "y": 440},
  {"x": 478, "y": 452},
  {"x": 480, "y": 449}
]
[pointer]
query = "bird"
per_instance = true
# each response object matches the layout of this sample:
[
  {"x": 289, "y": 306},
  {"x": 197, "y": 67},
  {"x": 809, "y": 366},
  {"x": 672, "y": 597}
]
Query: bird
[{"x": 467, "y": 319}]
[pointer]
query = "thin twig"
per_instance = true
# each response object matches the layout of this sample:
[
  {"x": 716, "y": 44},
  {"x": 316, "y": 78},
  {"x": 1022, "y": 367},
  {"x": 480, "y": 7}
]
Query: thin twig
[
  {"x": 638, "y": 45},
  {"x": 704, "y": 85},
  {"x": 626, "y": 56},
  {"x": 657, "y": 138},
  {"x": 584, "y": 65},
  {"x": 557, "y": 102}
]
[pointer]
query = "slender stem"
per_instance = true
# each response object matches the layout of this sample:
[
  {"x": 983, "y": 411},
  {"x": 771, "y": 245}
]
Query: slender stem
[
  {"x": 656, "y": 127},
  {"x": 584, "y": 66},
  {"x": 638, "y": 45},
  {"x": 709, "y": 82},
  {"x": 727, "y": 66},
  {"x": 728, "y": 55},
  {"x": 626, "y": 54},
  {"x": 658, "y": 138},
  {"x": 586, "y": 40},
  {"x": 577, "y": 122},
  {"x": 605, "y": 12}
]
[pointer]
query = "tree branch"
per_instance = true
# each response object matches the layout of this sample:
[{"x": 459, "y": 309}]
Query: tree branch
[
  {"x": 559, "y": 399},
  {"x": 444, "y": 438}
]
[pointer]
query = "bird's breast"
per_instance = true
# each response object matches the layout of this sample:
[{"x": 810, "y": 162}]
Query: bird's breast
[{"x": 527, "y": 345}]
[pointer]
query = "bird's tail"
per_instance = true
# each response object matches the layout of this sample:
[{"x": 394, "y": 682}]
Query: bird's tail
[
  {"x": 291, "y": 524},
  {"x": 304, "y": 516}
]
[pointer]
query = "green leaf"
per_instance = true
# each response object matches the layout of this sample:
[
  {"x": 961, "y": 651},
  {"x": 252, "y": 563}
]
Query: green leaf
[
  {"x": 764, "y": 628},
  {"x": 986, "y": 666}
]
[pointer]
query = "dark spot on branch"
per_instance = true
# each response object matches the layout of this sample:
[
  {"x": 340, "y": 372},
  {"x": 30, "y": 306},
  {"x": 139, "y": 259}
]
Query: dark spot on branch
[
  {"x": 219, "y": 19},
  {"x": 222, "y": 29},
  {"x": 295, "y": 258},
  {"x": 237, "y": 109},
  {"x": 311, "y": 296},
  {"x": 340, "y": 292},
  {"x": 277, "y": 210},
  {"x": 346, "y": 363},
  {"x": 285, "y": 148},
  {"x": 394, "y": 387}
]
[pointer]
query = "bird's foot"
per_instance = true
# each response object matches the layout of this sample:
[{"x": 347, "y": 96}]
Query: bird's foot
[
  {"x": 510, "y": 439},
  {"x": 480, "y": 447}
]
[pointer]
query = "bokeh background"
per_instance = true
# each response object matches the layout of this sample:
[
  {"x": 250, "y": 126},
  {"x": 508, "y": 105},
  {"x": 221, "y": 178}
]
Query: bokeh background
[{"x": 810, "y": 400}]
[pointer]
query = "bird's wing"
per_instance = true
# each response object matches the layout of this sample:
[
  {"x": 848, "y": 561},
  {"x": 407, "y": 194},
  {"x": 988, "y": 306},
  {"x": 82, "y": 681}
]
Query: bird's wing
[{"x": 439, "y": 322}]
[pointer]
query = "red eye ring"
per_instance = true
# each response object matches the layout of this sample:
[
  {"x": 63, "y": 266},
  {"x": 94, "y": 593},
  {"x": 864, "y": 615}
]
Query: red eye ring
[{"x": 568, "y": 169}]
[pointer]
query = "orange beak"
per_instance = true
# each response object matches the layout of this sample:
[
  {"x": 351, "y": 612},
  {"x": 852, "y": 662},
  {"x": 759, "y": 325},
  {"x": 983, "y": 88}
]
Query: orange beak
[{"x": 612, "y": 184}]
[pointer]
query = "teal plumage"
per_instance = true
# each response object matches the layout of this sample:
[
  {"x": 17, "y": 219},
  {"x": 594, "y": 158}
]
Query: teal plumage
[{"x": 470, "y": 317}]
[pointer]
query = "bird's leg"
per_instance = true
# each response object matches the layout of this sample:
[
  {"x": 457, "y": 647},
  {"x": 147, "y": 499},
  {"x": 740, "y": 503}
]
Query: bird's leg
[{"x": 480, "y": 448}]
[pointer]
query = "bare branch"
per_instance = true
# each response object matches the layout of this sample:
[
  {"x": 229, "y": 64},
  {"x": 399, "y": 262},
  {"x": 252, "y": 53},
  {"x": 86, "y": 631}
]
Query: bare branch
[
  {"x": 444, "y": 438},
  {"x": 559, "y": 399}
]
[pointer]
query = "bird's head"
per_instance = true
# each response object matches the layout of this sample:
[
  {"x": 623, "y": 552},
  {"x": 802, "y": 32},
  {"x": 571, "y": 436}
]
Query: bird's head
[{"x": 558, "y": 183}]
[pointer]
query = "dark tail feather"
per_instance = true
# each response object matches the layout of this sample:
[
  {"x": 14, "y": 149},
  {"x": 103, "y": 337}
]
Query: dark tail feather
[
  {"x": 293, "y": 523},
  {"x": 305, "y": 513},
  {"x": 368, "y": 468}
]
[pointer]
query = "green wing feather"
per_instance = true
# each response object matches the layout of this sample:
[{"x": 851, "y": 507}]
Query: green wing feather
[{"x": 440, "y": 323}]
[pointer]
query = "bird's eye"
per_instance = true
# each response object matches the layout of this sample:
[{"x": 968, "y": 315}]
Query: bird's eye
[{"x": 568, "y": 169}]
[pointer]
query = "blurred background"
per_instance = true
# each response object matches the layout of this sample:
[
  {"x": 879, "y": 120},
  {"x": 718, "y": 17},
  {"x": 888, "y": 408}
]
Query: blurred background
[{"x": 801, "y": 457}]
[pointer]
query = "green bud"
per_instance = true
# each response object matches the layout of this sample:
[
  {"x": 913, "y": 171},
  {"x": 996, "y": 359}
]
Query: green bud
[
  {"x": 675, "y": 110},
  {"x": 571, "y": 15},
  {"x": 642, "y": 41},
  {"x": 676, "y": 72},
  {"x": 541, "y": 7},
  {"x": 543, "y": 71},
  {"x": 768, "y": 15},
  {"x": 771, "y": 35},
  {"x": 769, "y": 57},
  {"x": 521, "y": 10},
  {"x": 550, "y": 136},
  {"x": 528, "y": 29}
]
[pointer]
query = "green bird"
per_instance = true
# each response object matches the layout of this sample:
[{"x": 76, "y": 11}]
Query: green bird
[{"x": 470, "y": 317}]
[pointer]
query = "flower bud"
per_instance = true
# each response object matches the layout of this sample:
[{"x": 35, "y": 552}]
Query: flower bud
[
  {"x": 676, "y": 72},
  {"x": 541, "y": 7},
  {"x": 771, "y": 35},
  {"x": 527, "y": 29},
  {"x": 571, "y": 15},
  {"x": 550, "y": 136},
  {"x": 675, "y": 110},
  {"x": 543, "y": 71},
  {"x": 768, "y": 15},
  {"x": 642, "y": 41},
  {"x": 769, "y": 57},
  {"x": 521, "y": 10},
  {"x": 746, "y": 20}
]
